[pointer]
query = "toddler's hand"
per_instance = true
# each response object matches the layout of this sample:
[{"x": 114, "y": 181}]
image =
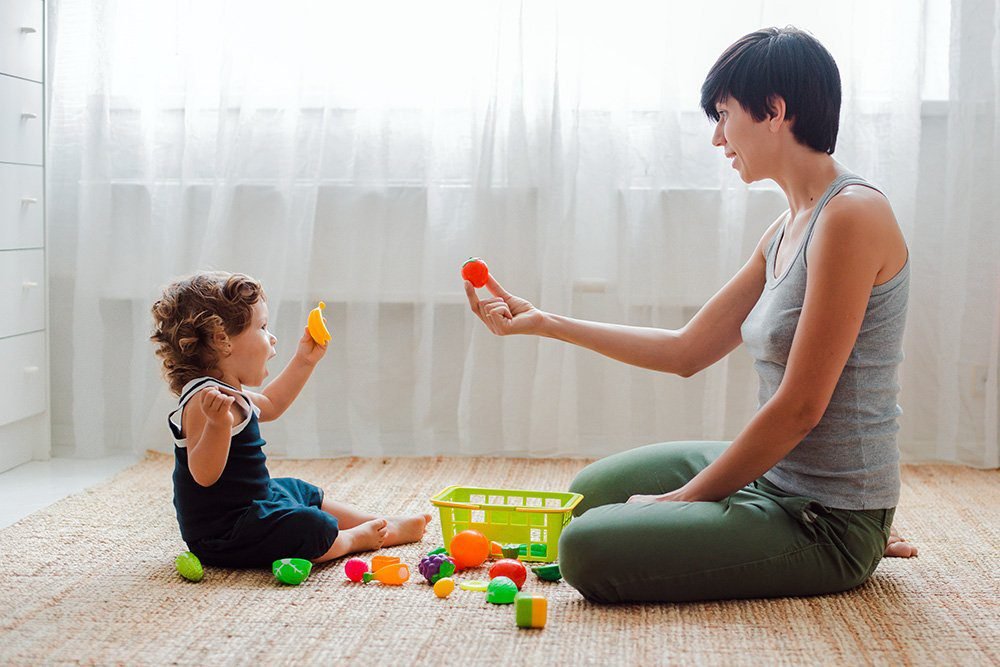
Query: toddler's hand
[
  {"x": 309, "y": 350},
  {"x": 216, "y": 406}
]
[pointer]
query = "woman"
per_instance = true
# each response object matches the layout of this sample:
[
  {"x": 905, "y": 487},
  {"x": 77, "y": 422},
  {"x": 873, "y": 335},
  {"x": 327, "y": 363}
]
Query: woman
[{"x": 801, "y": 502}]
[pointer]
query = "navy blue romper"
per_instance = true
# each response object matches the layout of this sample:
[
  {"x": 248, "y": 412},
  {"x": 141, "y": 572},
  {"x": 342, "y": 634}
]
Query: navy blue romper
[{"x": 246, "y": 519}]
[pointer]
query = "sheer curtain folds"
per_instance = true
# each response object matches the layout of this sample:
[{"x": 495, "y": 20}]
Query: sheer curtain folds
[
  {"x": 951, "y": 371},
  {"x": 359, "y": 152}
]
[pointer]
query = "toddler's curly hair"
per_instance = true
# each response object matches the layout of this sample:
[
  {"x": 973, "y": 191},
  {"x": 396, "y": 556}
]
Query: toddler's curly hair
[{"x": 190, "y": 314}]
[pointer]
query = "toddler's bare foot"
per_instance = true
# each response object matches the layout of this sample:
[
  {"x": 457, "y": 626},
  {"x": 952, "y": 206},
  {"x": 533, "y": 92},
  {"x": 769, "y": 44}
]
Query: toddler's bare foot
[
  {"x": 368, "y": 536},
  {"x": 406, "y": 529},
  {"x": 898, "y": 547}
]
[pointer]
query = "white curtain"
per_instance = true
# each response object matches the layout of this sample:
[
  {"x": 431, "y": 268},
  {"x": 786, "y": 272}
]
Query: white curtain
[
  {"x": 953, "y": 334},
  {"x": 359, "y": 152}
]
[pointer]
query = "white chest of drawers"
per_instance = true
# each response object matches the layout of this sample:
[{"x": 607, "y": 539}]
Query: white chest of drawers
[{"x": 24, "y": 371}]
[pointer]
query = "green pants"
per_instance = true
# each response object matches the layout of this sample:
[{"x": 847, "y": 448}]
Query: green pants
[{"x": 760, "y": 542}]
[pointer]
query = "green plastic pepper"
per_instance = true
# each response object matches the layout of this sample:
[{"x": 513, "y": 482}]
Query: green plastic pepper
[
  {"x": 511, "y": 550},
  {"x": 548, "y": 572}
]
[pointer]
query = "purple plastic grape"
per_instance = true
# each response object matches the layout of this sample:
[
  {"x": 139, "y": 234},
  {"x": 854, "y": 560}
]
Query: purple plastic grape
[{"x": 436, "y": 567}]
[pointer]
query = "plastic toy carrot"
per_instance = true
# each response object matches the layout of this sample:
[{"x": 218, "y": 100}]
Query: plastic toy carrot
[{"x": 393, "y": 575}]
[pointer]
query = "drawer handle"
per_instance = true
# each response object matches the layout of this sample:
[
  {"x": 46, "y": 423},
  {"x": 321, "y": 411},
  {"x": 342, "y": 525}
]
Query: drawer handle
[
  {"x": 29, "y": 284},
  {"x": 27, "y": 115},
  {"x": 28, "y": 200},
  {"x": 27, "y": 29},
  {"x": 31, "y": 369}
]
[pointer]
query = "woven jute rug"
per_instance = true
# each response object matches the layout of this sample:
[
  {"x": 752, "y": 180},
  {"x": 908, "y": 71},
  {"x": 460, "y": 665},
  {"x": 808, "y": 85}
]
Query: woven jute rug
[{"x": 91, "y": 580}]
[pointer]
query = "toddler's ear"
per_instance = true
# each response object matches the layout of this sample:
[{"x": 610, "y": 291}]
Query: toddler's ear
[{"x": 220, "y": 341}]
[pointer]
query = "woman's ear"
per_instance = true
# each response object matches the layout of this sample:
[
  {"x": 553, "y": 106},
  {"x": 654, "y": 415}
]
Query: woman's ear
[{"x": 777, "y": 110}]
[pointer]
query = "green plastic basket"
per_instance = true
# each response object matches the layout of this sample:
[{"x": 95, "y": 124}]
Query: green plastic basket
[{"x": 532, "y": 518}]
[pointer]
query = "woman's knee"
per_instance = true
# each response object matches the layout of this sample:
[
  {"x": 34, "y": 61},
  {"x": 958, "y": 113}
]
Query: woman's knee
[
  {"x": 583, "y": 558},
  {"x": 589, "y": 483},
  {"x": 651, "y": 469}
]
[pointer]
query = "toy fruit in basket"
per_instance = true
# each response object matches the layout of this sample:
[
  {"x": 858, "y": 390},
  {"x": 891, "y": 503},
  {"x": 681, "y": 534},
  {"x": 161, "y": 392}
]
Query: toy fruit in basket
[
  {"x": 469, "y": 548},
  {"x": 512, "y": 569},
  {"x": 511, "y": 550},
  {"x": 475, "y": 271},
  {"x": 317, "y": 325},
  {"x": 436, "y": 567},
  {"x": 528, "y": 522},
  {"x": 539, "y": 551}
]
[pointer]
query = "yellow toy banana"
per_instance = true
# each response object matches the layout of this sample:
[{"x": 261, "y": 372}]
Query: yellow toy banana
[{"x": 317, "y": 325}]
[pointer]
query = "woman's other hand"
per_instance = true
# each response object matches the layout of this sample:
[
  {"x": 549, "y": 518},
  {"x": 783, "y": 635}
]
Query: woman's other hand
[
  {"x": 503, "y": 313},
  {"x": 677, "y": 496}
]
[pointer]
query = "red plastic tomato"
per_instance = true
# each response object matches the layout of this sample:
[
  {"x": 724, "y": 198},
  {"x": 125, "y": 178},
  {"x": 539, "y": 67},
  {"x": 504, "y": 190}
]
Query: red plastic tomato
[
  {"x": 510, "y": 568},
  {"x": 475, "y": 271}
]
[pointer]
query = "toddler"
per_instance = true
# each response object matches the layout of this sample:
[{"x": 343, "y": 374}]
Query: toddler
[{"x": 211, "y": 335}]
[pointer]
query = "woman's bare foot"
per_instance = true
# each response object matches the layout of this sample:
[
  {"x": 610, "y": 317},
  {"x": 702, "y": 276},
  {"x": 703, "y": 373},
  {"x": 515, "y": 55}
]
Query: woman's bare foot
[
  {"x": 367, "y": 536},
  {"x": 898, "y": 547},
  {"x": 406, "y": 529}
]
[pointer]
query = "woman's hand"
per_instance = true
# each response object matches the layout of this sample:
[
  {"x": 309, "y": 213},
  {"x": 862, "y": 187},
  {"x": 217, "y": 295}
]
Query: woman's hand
[
  {"x": 504, "y": 313},
  {"x": 674, "y": 496},
  {"x": 309, "y": 351}
]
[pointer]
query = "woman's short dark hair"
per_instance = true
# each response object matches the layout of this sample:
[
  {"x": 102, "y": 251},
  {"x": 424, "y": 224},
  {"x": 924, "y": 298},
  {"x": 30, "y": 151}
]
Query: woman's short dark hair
[{"x": 785, "y": 62}]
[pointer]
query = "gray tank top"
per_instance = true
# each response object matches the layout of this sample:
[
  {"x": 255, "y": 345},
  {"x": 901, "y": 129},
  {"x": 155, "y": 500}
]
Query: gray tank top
[{"x": 850, "y": 460}]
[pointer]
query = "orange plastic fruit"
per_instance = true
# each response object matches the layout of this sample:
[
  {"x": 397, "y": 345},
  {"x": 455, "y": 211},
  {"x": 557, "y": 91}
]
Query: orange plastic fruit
[
  {"x": 469, "y": 548},
  {"x": 475, "y": 271},
  {"x": 378, "y": 562}
]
